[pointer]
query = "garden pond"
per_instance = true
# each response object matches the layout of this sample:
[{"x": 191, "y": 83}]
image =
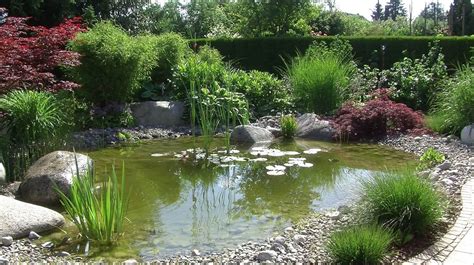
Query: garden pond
[{"x": 178, "y": 203}]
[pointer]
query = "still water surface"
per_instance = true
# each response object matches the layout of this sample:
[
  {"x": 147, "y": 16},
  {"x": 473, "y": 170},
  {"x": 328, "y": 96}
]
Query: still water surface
[{"x": 177, "y": 205}]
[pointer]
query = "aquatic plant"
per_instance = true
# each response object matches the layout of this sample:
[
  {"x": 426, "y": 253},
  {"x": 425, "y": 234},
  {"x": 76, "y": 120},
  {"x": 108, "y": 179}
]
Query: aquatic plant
[
  {"x": 212, "y": 106},
  {"x": 404, "y": 202},
  {"x": 98, "y": 214},
  {"x": 35, "y": 124},
  {"x": 430, "y": 158},
  {"x": 288, "y": 126},
  {"x": 360, "y": 245}
]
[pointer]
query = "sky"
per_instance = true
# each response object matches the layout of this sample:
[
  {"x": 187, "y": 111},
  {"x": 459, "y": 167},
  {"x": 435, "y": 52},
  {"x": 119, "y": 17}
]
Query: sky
[{"x": 365, "y": 7}]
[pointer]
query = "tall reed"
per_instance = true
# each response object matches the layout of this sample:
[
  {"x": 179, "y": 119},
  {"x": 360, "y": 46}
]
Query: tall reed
[{"x": 99, "y": 215}]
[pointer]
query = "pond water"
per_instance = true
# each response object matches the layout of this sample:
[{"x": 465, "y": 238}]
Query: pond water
[{"x": 178, "y": 204}]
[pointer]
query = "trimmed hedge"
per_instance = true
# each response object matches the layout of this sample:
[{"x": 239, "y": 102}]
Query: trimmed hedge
[{"x": 265, "y": 54}]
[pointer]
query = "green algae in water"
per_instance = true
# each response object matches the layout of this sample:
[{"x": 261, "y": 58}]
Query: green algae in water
[{"x": 178, "y": 204}]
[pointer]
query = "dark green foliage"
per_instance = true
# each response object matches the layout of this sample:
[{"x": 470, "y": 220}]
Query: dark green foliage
[
  {"x": 266, "y": 93},
  {"x": 453, "y": 108},
  {"x": 403, "y": 202},
  {"x": 171, "y": 50},
  {"x": 263, "y": 53},
  {"x": 360, "y": 245},
  {"x": 288, "y": 126},
  {"x": 462, "y": 20},
  {"x": 35, "y": 124},
  {"x": 113, "y": 64}
]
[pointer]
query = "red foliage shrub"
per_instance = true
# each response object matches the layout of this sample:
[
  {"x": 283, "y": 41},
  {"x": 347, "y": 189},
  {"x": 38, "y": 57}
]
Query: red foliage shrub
[
  {"x": 376, "y": 118},
  {"x": 29, "y": 55}
]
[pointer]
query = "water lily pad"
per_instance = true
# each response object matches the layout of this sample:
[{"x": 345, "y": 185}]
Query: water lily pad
[
  {"x": 275, "y": 153},
  {"x": 276, "y": 168},
  {"x": 275, "y": 173},
  {"x": 158, "y": 155},
  {"x": 297, "y": 159},
  {"x": 260, "y": 159},
  {"x": 291, "y": 153},
  {"x": 289, "y": 164},
  {"x": 312, "y": 151}
]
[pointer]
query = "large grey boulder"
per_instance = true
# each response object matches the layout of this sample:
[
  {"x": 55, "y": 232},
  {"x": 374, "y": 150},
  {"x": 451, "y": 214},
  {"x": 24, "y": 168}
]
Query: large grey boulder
[
  {"x": 311, "y": 127},
  {"x": 58, "y": 168},
  {"x": 158, "y": 113},
  {"x": 248, "y": 134},
  {"x": 467, "y": 135},
  {"x": 18, "y": 219}
]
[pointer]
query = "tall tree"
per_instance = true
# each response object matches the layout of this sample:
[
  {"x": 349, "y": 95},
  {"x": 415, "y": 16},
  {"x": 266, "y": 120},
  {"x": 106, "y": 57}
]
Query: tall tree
[
  {"x": 462, "y": 19},
  {"x": 394, "y": 9},
  {"x": 377, "y": 13}
]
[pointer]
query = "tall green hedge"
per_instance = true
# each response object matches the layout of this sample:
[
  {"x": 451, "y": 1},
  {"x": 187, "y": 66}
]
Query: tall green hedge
[{"x": 266, "y": 54}]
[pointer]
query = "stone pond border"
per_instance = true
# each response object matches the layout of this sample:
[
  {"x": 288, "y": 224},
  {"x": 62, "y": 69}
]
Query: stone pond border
[{"x": 445, "y": 247}]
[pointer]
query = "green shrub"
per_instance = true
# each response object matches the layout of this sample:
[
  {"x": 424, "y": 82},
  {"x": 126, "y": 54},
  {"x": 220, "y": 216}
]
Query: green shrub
[
  {"x": 453, "y": 108},
  {"x": 113, "y": 64},
  {"x": 266, "y": 93},
  {"x": 288, "y": 126},
  {"x": 360, "y": 245},
  {"x": 403, "y": 202},
  {"x": 171, "y": 49},
  {"x": 319, "y": 79},
  {"x": 98, "y": 215},
  {"x": 430, "y": 158},
  {"x": 414, "y": 81},
  {"x": 35, "y": 124}
]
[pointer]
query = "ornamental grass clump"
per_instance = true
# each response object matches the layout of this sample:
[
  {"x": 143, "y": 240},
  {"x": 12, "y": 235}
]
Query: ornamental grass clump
[
  {"x": 321, "y": 77},
  {"x": 403, "y": 202},
  {"x": 35, "y": 124},
  {"x": 453, "y": 108},
  {"x": 360, "y": 245},
  {"x": 99, "y": 215},
  {"x": 288, "y": 126}
]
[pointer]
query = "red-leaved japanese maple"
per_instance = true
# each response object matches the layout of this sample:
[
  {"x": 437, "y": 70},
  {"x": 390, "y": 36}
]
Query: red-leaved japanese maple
[
  {"x": 377, "y": 118},
  {"x": 31, "y": 55}
]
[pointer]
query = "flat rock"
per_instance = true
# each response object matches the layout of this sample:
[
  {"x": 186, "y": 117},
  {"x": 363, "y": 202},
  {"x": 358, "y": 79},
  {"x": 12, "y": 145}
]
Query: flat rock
[
  {"x": 158, "y": 113},
  {"x": 18, "y": 218},
  {"x": 311, "y": 127},
  {"x": 248, "y": 134},
  {"x": 56, "y": 168}
]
